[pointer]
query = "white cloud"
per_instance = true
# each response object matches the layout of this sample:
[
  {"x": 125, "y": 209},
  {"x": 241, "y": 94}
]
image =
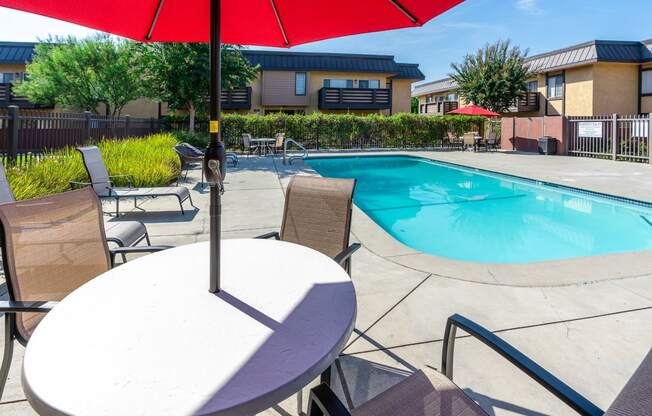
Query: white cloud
[{"x": 529, "y": 6}]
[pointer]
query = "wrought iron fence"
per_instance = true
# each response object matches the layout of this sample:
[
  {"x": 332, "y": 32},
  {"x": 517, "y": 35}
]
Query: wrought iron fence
[{"x": 613, "y": 137}]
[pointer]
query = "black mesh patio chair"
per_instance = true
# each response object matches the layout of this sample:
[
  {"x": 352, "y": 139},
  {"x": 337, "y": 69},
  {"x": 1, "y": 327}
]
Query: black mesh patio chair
[
  {"x": 121, "y": 233},
  {"x": 428, "y": 392},
  {"x": 50, "y": 247},
  {"x": 102, "y": 183}
]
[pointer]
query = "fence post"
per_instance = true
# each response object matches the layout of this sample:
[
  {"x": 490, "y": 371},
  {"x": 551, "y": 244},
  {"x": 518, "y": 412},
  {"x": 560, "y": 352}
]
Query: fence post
[
  {"x": 87, "y": 124},
  {"x": 127, "y": 125},
  {"x": 649, "y": 138},
  {"x": 614, "y": 136},
  {"x": 13, "y": 126}
]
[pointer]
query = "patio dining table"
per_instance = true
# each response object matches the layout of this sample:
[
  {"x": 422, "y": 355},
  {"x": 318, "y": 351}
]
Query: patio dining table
[
  {"x": 264, "y": 144},
  {"x": 147, "y": 338}
]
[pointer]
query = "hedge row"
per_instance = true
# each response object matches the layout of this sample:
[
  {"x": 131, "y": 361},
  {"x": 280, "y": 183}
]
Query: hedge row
[{"x": 345, "y": 131}]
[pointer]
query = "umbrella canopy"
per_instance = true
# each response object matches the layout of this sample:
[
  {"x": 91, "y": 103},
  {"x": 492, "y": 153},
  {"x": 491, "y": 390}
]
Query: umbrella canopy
[
  {"x": 281, "y": 23},
  {"x": 474, "y": 110}
]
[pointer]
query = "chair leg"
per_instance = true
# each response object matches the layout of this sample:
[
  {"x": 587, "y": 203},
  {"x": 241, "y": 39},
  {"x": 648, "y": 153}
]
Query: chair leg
[
  {"x": 149, "y": 243},
  {"x": 326, "y": 376},
  {"x": 191, "y": 203},
  {"x": 8, "y": 350},
  {"x": 117, "y": 207},
  {"x": 300, "y": 402}
]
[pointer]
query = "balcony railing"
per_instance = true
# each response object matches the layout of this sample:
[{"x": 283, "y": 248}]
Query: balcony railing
[
  {"x": 7, "y": 98},
  {"x": 236, "y": 99},
  {"x": 355, "y": 98},
  {"x": 529, "y": 101},
  {"x": 441, "y": 107}
]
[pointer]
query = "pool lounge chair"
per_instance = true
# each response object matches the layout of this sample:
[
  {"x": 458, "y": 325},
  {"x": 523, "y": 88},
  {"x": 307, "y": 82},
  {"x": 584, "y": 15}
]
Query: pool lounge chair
[
  {"x": 317, "y": 214},
  {"x": 122, "y": 233},
  {"x": 428, "y": 392},
  {"x": 50, "y": 247},
  {"x": 103, "y": 187}
]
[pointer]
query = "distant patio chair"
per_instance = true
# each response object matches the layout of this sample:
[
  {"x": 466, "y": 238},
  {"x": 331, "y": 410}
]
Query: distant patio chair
[
  {"x": 247, "y": 143},
  {"x": 317, "y": 214},
  {"x": 102, "y": 183},
  {"x": 121, "y": 233},
  {"x": 279, "y": 141},
  {"x": 50, "y": 247},
  {"x": 453, "y": 140},
  {"x": 469, "y": 140},
  {"x": 431, "y": 393},
  {"x": 230, "y": 156},
  {"x": 189, "y": 159},
  {"x": 492, "y": 141}
]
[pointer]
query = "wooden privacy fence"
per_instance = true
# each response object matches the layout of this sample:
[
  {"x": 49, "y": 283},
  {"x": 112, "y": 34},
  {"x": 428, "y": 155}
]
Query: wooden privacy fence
[
  {"x": 28, "y": 133},
  {"x": 613, "y": 137}
]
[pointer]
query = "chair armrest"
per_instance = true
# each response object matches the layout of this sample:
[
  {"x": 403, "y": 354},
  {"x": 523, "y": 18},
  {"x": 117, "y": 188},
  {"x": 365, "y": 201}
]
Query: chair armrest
[
  {"x": 551, "y": 383},
  {"x": 323, "y": 402},
  {"x": 346, "y": 253},
  {"x": 135, "y": 249},
  {"x": 13, "y": 306},
  {"x": 274, "y": 234}
]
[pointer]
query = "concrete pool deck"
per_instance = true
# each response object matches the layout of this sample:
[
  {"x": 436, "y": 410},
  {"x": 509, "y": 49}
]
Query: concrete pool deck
[{"x": 592, "y": 335}]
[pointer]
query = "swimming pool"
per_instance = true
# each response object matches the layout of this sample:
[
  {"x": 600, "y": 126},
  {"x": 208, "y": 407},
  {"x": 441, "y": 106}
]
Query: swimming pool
[{"x": 474, "y": 215}]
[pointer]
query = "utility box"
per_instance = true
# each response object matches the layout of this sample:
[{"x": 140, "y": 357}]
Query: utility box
[{"x": 547, "y": 145}]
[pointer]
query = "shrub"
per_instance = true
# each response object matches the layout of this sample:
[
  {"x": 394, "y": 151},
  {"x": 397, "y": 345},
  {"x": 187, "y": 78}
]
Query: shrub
[
  {"x": 338, "y": 131},
  {"x": 150, "y": 161}
]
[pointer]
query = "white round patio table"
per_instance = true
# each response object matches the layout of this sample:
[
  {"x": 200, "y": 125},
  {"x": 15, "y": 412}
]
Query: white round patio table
[{"x": 147, "y": 338}]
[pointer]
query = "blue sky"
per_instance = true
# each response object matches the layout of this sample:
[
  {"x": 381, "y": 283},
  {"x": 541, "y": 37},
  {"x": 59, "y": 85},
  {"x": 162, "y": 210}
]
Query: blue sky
[{"x": 540, "y": 25}]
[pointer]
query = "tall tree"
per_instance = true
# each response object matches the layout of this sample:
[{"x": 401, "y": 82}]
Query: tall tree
[
  {"x": 178, "y": 73},
  {"x": 83, "y": 73},
  {"x": 494, "y": 77}
]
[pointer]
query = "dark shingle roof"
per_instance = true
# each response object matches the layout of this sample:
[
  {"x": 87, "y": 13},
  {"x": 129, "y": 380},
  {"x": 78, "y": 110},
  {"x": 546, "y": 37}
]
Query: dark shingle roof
[
  {"x": 576, "y": 55},
  {"x": 16, "y": 52},
  {"x": 340, "y": 62}
]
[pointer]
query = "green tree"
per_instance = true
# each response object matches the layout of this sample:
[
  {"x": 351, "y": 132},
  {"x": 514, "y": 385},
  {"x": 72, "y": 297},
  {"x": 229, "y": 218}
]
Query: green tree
[
  {"x": 414, "y": 105},
  {"x": 494, "y": 77},
  {"x": 178, "y": 73},
  {"x": 81, "y": 74}
]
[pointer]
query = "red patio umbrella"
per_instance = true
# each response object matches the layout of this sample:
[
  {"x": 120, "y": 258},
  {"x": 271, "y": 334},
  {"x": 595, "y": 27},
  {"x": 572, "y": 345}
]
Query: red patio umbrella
[
  {"x": 474, "y": 110},
  {"x": 282, "y": 23}
]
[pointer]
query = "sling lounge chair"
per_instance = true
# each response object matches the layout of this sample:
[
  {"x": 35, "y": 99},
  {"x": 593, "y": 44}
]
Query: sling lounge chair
[
  {"x": 428, "y": 392},
  {"x": 50, "y": 247},
  {"x": 122, "y": 233},
  {"x": 103, "y": 187},
  {"x": 230, "y": 156},
  {"x": 317, "y": 214}
]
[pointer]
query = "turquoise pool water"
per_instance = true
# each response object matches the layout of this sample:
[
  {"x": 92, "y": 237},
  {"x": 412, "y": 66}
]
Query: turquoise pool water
[{"x": 468, "y": 214}]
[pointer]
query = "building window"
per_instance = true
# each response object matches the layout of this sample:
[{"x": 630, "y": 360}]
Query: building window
[
  {"x": 369, "y": 83},
  {"x": 429, "y": 99},
  {"x": 532, "y": 86},
  {"x": 7, "y": 77},
  {"x": 556, "y": 86},
  {"x": 440, "y": 99},
  {"x": 300, "y": 83},
  {"x": 451, "y": 97},
  {"x": 646, "y": 82},
  {"x": 338, "y": 83}
]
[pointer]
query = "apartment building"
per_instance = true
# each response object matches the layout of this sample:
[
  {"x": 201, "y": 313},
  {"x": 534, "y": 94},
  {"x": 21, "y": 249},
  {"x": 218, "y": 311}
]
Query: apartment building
[
  {"x": 593, "y": 78},
  {"x": 291, "y": 82}
]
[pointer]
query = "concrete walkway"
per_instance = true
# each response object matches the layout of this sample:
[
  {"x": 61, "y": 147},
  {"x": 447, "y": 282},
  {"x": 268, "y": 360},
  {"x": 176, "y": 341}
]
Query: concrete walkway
[{"x": 592, "y": 334}]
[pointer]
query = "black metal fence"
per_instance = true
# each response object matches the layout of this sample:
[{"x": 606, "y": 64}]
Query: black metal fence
[
  {"x": 613, "y": 137},
  {"x": 25, "y": 134}
]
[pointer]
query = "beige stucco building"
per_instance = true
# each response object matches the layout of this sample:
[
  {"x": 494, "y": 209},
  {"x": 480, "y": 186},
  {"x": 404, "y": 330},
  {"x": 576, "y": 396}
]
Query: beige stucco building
[
  {"x": 590, "y": 79},
  {"x": 291, "y": 82}
]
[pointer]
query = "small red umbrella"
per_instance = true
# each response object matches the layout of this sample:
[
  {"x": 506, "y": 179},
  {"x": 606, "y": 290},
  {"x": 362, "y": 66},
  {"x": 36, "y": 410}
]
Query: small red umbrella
[
  {"x": 282, "y": 23},
  {"x": 474, "y": 110}
]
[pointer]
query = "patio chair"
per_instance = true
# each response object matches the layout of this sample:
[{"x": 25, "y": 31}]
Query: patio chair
[
  {"x": 247, "y": 144},
  {"x": 317, "y": 214},
  {"x": 428, "y": 392},
  {"x": 492, "y": 141},
  {"x": 453, "y": 140},
  {"x": 469, "y": 140},
  {"x": 189, "y": 158},
  {"x": 230, "y": 156},
  {"x": 279, "y": 142},
  {"x": 102, "y": 184},
  {"x": 50, "y": 247},
  {"x": 122, "y": 233}
]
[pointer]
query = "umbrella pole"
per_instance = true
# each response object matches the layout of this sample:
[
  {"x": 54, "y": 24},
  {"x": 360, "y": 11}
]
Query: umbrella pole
[{"x": 215, "y": 156}]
